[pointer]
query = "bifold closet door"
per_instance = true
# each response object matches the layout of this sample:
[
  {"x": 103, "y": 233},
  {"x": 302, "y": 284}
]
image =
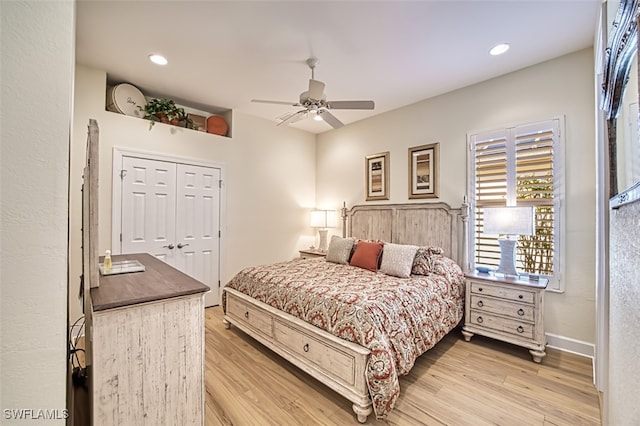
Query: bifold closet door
[
  {"x": 197, "y": 225},
  {"x": 172, "y": 211},
  {"x": 149, "y": 208}
]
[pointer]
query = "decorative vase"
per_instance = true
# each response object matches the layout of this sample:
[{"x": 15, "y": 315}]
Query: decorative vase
[{"x": 162, "y": 117}]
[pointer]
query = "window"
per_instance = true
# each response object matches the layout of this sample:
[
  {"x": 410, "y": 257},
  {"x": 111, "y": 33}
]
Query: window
[{"x": 519, "y": 166}]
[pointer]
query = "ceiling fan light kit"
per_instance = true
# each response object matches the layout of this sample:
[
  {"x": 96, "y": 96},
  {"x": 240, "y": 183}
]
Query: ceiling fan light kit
[{"x": 314, "y": 101}]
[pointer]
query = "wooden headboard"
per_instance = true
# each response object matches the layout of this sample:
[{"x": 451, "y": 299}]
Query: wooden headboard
[{"x": 421, "y": 224}]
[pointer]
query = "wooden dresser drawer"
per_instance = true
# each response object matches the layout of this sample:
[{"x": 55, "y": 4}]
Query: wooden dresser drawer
[
  {"x": 249, "y": 315},
  {"x": 503, "y": 292},
  {"x": 505, "y": 325},
  {"x": 517, "y": 311},
  {"x": 330, "y": 359}
]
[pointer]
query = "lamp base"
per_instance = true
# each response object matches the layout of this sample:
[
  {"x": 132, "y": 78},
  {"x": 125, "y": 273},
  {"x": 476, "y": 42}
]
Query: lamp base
[
  {"x": 323, "y": 239},
  {"x": 507, "y": 257}
]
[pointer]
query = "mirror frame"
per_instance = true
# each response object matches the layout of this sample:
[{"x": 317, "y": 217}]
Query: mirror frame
[{"x": 621, "y": 48}]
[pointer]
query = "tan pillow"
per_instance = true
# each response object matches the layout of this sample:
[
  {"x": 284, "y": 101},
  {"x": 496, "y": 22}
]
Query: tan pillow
[{"x": 339, "y": 250}]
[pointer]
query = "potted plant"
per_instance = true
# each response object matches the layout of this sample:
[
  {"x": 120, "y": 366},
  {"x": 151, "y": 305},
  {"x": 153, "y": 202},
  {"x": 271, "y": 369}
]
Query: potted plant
[{"x": 166, "y": 111}]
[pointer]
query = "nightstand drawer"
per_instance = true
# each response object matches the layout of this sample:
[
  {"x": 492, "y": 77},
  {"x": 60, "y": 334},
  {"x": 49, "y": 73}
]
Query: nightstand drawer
[
  {"x": 503, "y": 292},
  {"x": 517, "y": 328},
  {"x": 502, "y": 307}
]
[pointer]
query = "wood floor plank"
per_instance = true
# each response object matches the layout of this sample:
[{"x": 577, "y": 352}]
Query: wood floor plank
[
  {"x": 482, "y": 382},
  {"x": 560, "y": 405}
]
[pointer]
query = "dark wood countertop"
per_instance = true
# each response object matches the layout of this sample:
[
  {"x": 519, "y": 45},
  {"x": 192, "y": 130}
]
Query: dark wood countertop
[{"x": 159, "y": 281}]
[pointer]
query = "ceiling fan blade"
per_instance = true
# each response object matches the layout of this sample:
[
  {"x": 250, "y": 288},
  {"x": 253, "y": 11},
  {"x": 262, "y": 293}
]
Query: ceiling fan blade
[
  {"x": 351, "y": 105},
  {"x": 299, "y": 116},
  {"x": 292, "y": 117},
  {"x": 316, "y": 89},
  {"x": 275, "y": 102},
  {"x": 330, "y": 119}
]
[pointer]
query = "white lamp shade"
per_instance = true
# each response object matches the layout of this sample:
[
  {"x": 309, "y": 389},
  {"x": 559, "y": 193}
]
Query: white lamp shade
[
  {"x": 323, "y": 219},
  {"x": 509, "y": 220}
]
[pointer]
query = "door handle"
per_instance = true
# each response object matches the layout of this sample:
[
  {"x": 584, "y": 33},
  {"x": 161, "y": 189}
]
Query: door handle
[
  {"x": 180, "y": 245},
  {"x": 170, "y": 246}
]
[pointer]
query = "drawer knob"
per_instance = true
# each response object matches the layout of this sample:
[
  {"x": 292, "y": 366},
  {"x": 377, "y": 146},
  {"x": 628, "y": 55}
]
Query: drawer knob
[
  {"x": 306, "y": 347},
  {"x": 520, "y": 329},
  {"x": 480, "y": 304},
  {"x": 479, "y": 288},
  {"x": 246, "y": 315},
  {"x": 520, "y": 296},
  {"x": 480, "y": 320},
  {"x": 521, "y": 312}
]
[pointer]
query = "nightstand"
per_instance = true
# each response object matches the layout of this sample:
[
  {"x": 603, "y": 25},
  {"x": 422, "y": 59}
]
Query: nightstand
[
  {"x": 510, "y": 309},
  {"x": 311, "y": 253}
]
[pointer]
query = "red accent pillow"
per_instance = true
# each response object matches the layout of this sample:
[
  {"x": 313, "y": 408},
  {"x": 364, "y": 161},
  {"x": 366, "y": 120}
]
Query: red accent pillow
[{"x": 367, "y": 255}]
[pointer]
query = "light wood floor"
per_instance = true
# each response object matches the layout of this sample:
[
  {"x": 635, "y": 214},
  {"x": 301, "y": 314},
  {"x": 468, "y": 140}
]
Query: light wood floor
[{"x": 482, "y": 382}]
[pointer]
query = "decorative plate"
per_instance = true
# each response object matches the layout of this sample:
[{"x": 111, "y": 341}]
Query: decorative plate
[{"x": 125, "y": 99}]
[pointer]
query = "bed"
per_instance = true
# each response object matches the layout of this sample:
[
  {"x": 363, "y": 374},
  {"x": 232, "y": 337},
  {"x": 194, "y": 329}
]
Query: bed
[{"x": 354, "y": 329}]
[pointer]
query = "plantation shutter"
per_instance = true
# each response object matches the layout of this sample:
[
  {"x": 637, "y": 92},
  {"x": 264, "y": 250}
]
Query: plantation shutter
[
  {"x": 490, "y": 160},
  {"x": 515, "y": 166},
  {"x": 535, "y": 187}
]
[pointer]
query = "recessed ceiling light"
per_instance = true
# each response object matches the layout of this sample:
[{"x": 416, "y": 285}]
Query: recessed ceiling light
[
  {"x": 499, "y": 49},
  {"x": 158, "y": 59}
]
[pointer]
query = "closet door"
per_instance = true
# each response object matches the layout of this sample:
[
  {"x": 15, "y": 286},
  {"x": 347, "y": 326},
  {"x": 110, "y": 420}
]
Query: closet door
[
  {"x": 148, "y": 208},
  {"x": 172, "y": 211},
  {"x": 198, "y": 226}
]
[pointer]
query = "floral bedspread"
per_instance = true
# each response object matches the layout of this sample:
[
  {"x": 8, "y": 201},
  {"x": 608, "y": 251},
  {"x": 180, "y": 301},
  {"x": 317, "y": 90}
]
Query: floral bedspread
[{"x": 398, "y": 319}]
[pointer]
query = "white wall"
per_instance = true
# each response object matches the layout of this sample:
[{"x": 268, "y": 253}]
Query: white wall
[
  {"x": 563, "y": 86},
  {"x": 270, "y": 184},
  {"x": 37, "y": 75}
]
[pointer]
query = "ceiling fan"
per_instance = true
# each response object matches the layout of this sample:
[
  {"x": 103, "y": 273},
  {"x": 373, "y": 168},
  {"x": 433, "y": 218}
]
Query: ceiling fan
[{"x": 314, "y": 102}]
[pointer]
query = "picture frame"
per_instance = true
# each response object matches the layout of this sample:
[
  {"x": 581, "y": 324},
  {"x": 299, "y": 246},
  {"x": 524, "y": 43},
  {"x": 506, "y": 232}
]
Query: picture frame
[
  {"x": 377, "y": 176},
  {"x": 424, "y": 171}
]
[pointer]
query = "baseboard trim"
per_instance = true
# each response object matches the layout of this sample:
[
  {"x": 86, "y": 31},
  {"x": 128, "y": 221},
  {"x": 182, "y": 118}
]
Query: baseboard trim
[{"x": 566, "y": 344}]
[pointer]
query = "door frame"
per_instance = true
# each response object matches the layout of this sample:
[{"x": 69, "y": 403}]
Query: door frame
[{"x": 116, "y": 196}]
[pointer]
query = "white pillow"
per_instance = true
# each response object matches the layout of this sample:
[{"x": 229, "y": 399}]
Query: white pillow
[{"x": 397, "y": 259}]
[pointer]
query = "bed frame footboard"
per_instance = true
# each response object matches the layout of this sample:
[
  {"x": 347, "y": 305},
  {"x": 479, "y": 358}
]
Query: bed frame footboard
[{"x": 335, "y": 362}]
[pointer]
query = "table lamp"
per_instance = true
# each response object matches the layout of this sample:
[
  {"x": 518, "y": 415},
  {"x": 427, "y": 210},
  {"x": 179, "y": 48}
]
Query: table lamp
[
  {"x": 323, "y": 219},
  {"x": 510, "y": 222}
]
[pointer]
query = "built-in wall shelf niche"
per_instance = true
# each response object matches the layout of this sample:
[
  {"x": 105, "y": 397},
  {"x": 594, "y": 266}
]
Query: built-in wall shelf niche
[{"x": 125, "y": 98}]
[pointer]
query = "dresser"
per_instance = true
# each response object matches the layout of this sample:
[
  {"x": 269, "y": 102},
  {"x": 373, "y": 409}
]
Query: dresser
[
  {"x": 510, "y": 309},
  {"x": 147, "y": 350}
]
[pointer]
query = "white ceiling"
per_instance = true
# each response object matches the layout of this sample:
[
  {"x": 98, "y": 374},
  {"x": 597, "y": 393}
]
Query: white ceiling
[{"x": 225, "y": 53}]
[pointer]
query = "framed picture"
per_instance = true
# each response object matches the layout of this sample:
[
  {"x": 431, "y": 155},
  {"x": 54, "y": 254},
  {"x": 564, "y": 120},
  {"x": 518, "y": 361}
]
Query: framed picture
[
  {"x": 423, "y": 171},
  {"x": 377, "y": 176}
]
